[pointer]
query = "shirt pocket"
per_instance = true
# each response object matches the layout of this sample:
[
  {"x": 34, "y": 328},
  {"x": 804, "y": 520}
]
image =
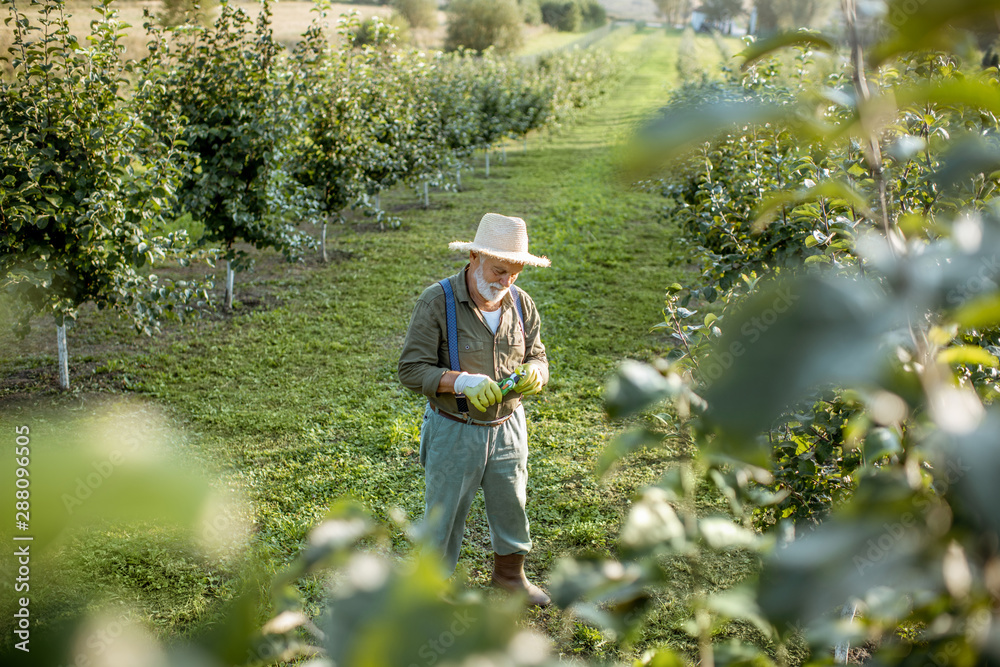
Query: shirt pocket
[
  {"x": 515, "y": 348},
  {"x": 473, "y": 355}
]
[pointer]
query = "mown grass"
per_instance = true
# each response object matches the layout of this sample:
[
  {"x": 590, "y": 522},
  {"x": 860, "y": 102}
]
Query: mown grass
[
  {"x": 546, "y": 38},
  {"x": 293, "y": 398}
]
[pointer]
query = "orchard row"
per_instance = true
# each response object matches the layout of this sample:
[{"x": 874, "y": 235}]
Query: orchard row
[{"x": 220, "y": 125}]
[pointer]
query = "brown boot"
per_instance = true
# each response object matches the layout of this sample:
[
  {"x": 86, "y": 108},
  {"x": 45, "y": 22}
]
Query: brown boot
[{"x": 508, "y": 574}]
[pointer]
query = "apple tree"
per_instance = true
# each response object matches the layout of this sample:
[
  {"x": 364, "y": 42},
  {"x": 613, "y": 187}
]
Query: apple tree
[{"x": 84, "y": 182}]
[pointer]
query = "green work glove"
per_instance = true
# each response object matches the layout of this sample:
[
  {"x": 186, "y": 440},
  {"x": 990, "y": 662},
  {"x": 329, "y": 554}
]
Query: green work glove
[
  {"x": 484, "y": 394},
  {"x": 480, "y": 389},
  {"x": 531, "y": 380}
]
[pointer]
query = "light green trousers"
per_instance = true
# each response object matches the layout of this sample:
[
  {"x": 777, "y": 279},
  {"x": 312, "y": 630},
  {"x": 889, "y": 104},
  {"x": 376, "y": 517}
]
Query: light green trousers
[{"x": 458, "y": 459}]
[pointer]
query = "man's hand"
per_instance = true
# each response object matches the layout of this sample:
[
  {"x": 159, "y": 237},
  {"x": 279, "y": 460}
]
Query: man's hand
[
  {"x": 531, "y": 380},
  {"x": 484, "y": 394},
  {"x": 480, "y": 389}
]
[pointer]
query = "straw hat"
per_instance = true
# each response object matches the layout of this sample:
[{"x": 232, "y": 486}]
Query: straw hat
[{"x": 502, "y": 237}]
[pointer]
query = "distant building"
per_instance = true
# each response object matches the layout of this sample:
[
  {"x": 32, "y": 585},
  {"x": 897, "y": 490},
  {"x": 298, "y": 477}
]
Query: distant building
[{"x": 698, "y": 20}]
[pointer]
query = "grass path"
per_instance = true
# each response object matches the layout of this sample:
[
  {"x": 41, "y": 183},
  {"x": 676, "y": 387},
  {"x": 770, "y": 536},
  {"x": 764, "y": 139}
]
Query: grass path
[
  {"x": 298, "y": 403},
  {"x": 301, "y": 400}
]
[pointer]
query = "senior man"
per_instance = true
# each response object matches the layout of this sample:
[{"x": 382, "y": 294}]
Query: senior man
[{"x": 467, "y": 333}]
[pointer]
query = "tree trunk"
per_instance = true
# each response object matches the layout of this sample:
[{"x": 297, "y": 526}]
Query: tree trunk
[
  {"x": 503, "y": 153},
  {"x": 229, "y": 284},
  {"x": 842, "y": 649},
  {"x": 427, "y": 196},
  {"x": 873, "y": 153},
  {"x": 63, "y": 356},
  {"x": 487, "y": 163},
  {"x": 323, "y": 244},
  {"x": 458, "y": 178}
]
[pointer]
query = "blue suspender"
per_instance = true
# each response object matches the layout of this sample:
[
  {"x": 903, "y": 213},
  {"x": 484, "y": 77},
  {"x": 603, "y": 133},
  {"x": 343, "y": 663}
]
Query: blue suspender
[
  {"x": 520, "y": 314},
  {"x": 452, "y": 320},
  {"x": 449, "y": 305}
]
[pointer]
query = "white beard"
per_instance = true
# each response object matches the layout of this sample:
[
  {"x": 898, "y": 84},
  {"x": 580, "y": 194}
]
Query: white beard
[{"x": 492, "y": 292}]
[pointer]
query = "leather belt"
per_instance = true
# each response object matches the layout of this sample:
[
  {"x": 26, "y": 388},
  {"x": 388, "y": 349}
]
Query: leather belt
[{"x": 468, "y": 420}]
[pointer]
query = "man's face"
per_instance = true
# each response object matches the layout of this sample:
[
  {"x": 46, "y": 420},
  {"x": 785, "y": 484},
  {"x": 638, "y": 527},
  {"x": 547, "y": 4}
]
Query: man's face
[{"x": 493, "y": 276}]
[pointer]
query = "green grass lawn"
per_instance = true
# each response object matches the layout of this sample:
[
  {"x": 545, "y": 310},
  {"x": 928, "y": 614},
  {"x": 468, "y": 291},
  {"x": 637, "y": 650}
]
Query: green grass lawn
[
  {"x": 293, "y": 398},
  {"x": 544, "y": 39}
]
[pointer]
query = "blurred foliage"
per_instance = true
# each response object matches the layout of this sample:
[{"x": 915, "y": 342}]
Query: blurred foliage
[
  {"x": 418, "y": 13},
  {"x": 719, "y": 14},
  {"x": 573, "y": 15},
  {"x": 564, "y": 15},
  {"x": 773, "y": 196},
  {"x": 122, "y": 468},
  {"x": 480, "y": 24},
  {"x": 839, "y": 389},
  {"x": 531, "y": 11},
  {"x": 787, "y": 15},
  {"x": 675, "y": 12},
  {"x": 840, "y": 377},
  {"x": 176, "y": 12},
  {"x": 376, "y": 32}
]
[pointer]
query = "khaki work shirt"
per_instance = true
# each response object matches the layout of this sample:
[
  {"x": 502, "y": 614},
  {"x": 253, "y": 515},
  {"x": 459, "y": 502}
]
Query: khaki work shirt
[{"x": 425, "y": 352}]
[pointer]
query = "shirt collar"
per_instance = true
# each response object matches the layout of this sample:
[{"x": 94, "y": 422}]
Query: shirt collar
[{"x": 462, "y": 289}]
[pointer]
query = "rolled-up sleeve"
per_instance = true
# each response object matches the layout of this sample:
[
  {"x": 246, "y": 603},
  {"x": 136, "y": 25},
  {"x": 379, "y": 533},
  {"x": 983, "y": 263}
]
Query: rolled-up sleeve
[{"x": 419, "y": 366}]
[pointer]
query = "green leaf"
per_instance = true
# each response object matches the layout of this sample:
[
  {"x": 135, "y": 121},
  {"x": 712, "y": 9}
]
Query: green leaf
[
  {"x": 676, "y": 131},
  {"x": 664, "y": 657},
  {"x": 722, "y": 534},
  {"x": 385, "y": 615},
  {"x": 966, "y": 159},
  {"x": 952, "y": 92},
  {"x": 740, "y": 603},
  {"x": 635, "y": 387},
  {"x": 839, "y": 191},
  {"x": 983, "y": 311},
  {"x": 624, "y": 444},
  {"x": 836, "y": 561},
  {"x": 684, "y": 313},
  {"x": 929, "y": 24},
  {"x": 786, "y": 341},
  {"x": 970, "y": 473},
  {"x": 117, "y": 466},
  {"x": 576, "y": 579},
  {"x": 881, "y": 442},
  {"x": 766, "y": 47},
  {"x": 970, "y": 355},
  {"x": 653, "y": 525}
]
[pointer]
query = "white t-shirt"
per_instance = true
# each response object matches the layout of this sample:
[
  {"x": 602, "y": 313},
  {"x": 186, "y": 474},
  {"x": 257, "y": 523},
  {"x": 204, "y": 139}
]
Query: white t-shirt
[{"x": 492, "y": 318}]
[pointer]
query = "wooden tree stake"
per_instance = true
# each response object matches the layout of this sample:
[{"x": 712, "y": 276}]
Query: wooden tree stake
[{"x": 63, "y": 356}]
